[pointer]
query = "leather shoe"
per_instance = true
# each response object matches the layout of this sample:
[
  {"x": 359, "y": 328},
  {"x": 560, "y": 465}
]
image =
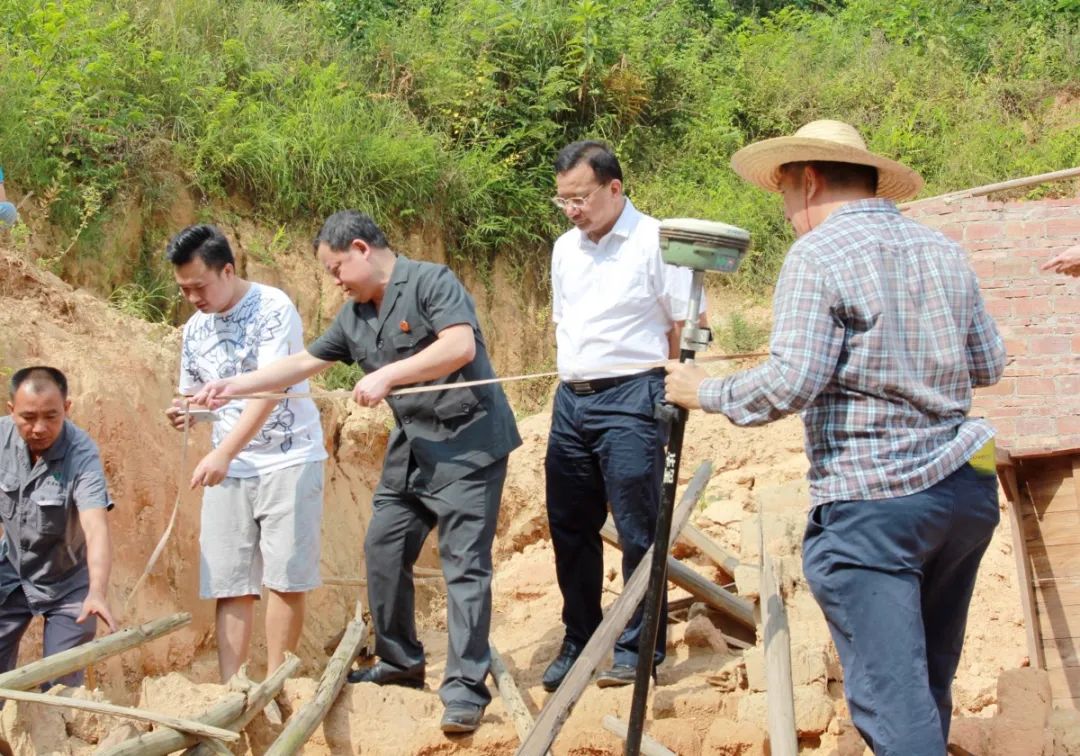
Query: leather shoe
[
  {"x": 556, "y": 671},
  {"x": 619, "y": 675},
  {"x": 461, "y": 716},
  {"x": 384, "y": 673}
]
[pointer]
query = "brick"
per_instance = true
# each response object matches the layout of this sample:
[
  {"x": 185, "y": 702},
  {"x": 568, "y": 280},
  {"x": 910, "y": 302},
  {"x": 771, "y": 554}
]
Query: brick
[
  {"x": 1035, "y": 426},
  {"x": 1014, "y": 267},
  {"x": 1025, "y": 229},
  {"x": 1076, "y": 344},
  {"x": 1035, "y": 387},
  {"x": 984, "y": 230},
  {"x": 1005, "y": 426},
  {"x": 1069, "y": 424},
  {"x": 1006, "y": 386},
  {"x": 1068, "y": 304},
  {"x": 999, "y": 308},
  {"x": 1024, "y": 307},
  {"x": 1063, "y": 227},
  {"x": 1068, "y": 385},
  {"x": 984, "y": 269},
  {"x": 1050, "y": 345},
  {"x": 1016, "y": 347}
]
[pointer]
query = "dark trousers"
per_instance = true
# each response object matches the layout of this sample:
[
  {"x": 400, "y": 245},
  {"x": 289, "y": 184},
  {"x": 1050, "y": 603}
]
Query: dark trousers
[
  {"x": 61, "y": 630},
  {"x": 465, "y": 512},
  {"x": 604, "y": 449},
  {"x": 894, "y": 578}
]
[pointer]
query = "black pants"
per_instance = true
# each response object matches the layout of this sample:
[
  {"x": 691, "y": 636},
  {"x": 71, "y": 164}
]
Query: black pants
[
  {"x": 465, "y": 512},
  {"x": 604, "y": 448},
  {"x": 61, "y": 630}
]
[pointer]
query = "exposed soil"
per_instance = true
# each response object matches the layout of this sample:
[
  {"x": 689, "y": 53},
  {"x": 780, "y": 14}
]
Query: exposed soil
[{"x": 710, "y": 699}]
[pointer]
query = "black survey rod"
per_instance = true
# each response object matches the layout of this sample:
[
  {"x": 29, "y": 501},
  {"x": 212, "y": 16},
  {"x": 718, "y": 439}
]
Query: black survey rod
[{"x": 654, "y": 595}]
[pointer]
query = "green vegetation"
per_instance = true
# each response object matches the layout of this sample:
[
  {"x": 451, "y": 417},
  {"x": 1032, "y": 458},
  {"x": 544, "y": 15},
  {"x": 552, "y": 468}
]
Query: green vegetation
[
  {"x": 737, "y": 335},
  {"x": 447, "y": 113}
]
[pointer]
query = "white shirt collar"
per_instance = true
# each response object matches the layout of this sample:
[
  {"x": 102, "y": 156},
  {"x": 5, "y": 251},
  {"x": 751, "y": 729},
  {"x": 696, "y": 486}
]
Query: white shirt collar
[{"x": 623, "y": 227}]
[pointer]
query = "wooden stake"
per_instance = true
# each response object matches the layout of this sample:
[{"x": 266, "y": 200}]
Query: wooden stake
[
  {"x": 511, "y": 696},
  {"x": 558, "y": 706},
  {"x": 166, "y": 740},
  {"x": 304, "y": 722},
  {"x": 720, "y": 556},
  {"x": 258, "y": 698},
  {"x": 738, "y": 609},
  {"x": 73, "y": 659},
  {"x": 779, "y": 695},
  {"x": 126, "y": 712},
  {"x": 649, "y": 747}
]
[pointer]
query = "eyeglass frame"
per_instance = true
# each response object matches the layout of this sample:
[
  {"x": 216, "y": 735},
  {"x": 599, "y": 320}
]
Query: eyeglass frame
[{"x": 577, "y": 203}]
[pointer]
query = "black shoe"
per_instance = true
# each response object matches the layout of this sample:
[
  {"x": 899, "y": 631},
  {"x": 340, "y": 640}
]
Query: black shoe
[
  {"x": 461, "y": 716},
  {"x": 619, "y": 675},
  {"x": 384, "y": 673},
  {"x": 556, "y": 671}
]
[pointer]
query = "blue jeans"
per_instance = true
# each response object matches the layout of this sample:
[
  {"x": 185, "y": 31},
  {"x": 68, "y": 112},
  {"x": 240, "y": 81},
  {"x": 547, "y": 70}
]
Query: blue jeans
[
  {"x": 605, "y": 448},
  {"x": 8, "y": 215},
  {"x": 894, "y": 578}
]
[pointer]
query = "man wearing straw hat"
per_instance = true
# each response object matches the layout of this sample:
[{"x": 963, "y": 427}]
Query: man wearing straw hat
[
  {"x": 879, "y": 335},
  {"x": 263, "y": 479}
]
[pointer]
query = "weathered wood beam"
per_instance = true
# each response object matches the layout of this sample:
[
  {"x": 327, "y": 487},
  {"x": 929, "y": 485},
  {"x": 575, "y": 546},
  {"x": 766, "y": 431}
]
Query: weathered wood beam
[
  {"x": 166, "y": 740},
  {"x": 558, "y": 706},
  {"x": 304, "y": 722},
  {"x": 73, "y": 659},
  {"x": 511, "y": 695},
  {"x": 258, "y": 698},
  {"x": 719, "y": 555},
  {"x": 734, "y": 607},
  {"x": 649, "y": 746},
  {"x": 125, "y": 712},
  {"x": 779, "y": 694}
]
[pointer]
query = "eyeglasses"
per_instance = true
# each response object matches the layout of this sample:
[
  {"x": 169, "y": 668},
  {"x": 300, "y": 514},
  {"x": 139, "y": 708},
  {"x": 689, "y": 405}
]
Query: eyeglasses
[{"x": 575, "y": 203}]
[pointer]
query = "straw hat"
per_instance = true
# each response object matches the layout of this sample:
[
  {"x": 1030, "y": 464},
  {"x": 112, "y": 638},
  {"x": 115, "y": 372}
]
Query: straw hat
[{"x": 759, "y": 163}]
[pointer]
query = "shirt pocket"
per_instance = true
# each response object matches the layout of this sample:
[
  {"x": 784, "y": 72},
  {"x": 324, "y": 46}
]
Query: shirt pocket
[
  {"x": 52, "y": 514},
  {"x": 9, "y": 493},
  {"x": 455, "y": 404},
  {"x": 412, "y": 341}
]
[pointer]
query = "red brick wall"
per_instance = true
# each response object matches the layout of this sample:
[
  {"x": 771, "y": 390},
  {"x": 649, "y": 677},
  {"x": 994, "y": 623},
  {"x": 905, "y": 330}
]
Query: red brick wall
[{"x": 1037, "y": 402}]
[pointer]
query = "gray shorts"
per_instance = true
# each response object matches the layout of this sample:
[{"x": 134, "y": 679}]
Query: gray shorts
[{"x": 262, "y": 531}]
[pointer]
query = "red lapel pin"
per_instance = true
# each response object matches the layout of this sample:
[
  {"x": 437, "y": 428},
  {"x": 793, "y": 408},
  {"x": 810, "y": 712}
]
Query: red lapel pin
[{"x": 404, "y": 325}]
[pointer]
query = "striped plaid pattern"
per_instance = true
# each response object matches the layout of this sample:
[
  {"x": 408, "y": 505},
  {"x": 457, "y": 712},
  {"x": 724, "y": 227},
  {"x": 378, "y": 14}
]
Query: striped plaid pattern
[{"x": 880, "y": 333}]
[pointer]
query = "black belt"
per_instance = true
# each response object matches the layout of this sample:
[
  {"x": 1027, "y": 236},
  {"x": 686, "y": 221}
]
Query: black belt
[{"x": 596, "y": 385}]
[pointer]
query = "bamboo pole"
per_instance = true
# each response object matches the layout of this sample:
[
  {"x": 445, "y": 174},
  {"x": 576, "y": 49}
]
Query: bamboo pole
[
  {"x": 720, "y": 556},
  {"x": 302, "y": 723},
  {"x": 979, "y": 191},
  {"x": 558, "y": 706},
  {"x": 734, "y": 607},
  {"x": 779, "y": 695},
  {"x": 649, "y": 747},
  {"x": 511, "y": 696},
  {"x": 126, "y": 712},
  {"x": 73, "y": 659},
  {"x": 258, "y": 698},
  {"x": 166, "y": 740}
]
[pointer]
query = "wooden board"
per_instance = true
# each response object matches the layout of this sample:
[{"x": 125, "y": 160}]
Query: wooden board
[
  {"x": 1053, "y": 562},
  {"x": 1057, "y": 596},
  {"x": 1064, "y": 683},
  {"x": 1058, "y": 623},
  {"x": 1055, "y": 529},
  {"x": 1062, "y": 652}
]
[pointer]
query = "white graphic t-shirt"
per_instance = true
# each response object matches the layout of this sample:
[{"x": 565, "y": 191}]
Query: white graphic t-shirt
[{"x": 261, "y": 328}]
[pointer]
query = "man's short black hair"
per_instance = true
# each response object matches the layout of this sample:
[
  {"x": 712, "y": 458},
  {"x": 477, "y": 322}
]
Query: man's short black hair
[
  {"x": 838, "y": 174},
  {"x": 339, "y": 230},
  {"x": 39, "y": 377},
  {"x": 597, "y": 154},
  {"x": 203, "y": 241}
]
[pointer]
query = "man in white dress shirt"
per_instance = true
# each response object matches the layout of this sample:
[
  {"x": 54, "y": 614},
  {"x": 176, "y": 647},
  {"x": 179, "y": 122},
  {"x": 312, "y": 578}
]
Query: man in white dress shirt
[{"x": 618, "y": 311}]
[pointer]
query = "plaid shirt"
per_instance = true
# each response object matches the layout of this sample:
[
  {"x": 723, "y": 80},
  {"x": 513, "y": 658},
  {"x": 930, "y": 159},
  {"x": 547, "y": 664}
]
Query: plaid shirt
[{"x": 880, "y": 334}]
